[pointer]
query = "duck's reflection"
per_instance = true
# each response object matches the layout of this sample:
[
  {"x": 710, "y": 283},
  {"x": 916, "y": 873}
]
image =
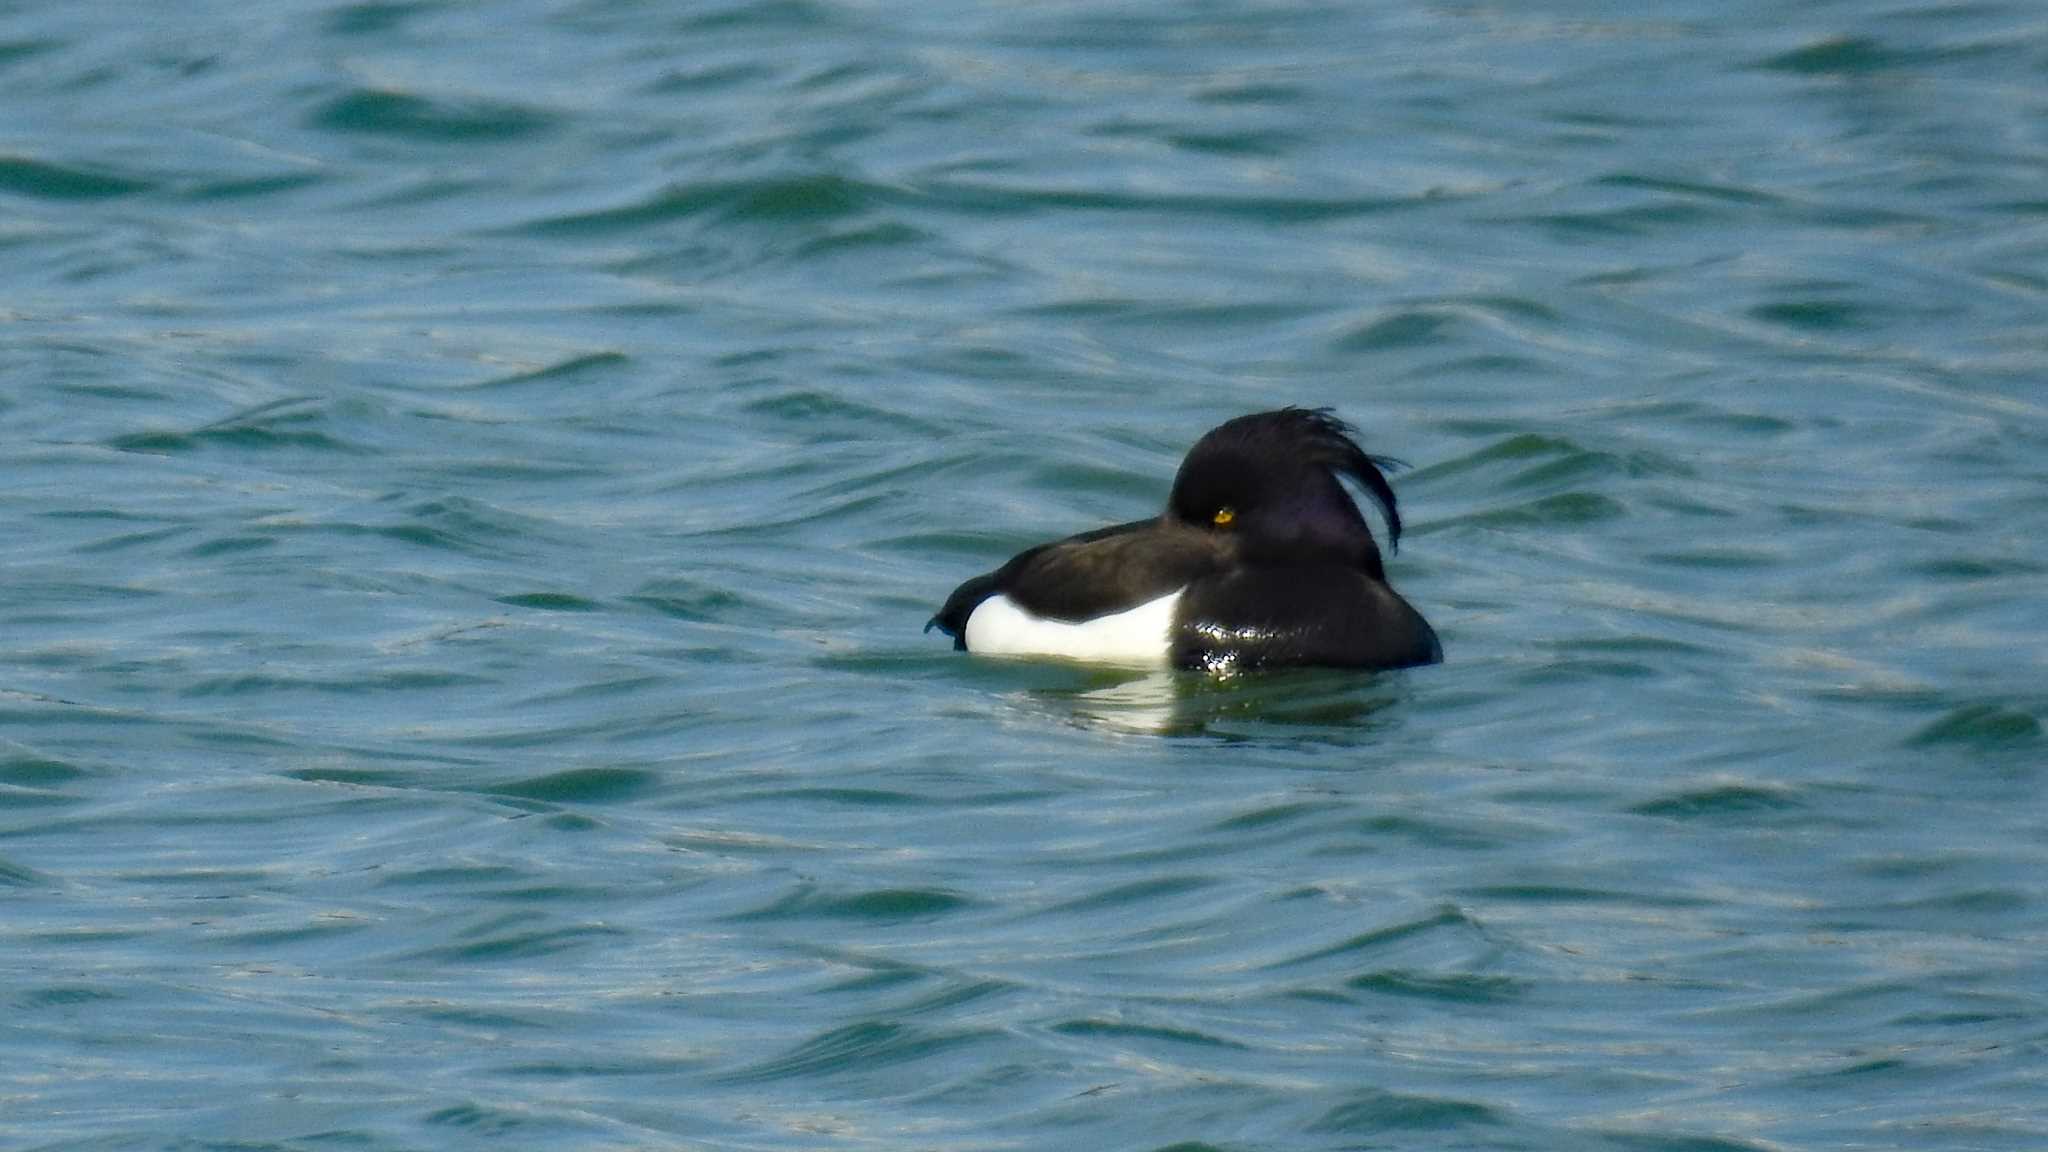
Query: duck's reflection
[{"x": 1305, "y": 703}]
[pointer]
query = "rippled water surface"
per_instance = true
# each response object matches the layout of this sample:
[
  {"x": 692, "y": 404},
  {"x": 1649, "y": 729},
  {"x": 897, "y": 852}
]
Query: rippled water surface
[{"x": 474, "y": 476}]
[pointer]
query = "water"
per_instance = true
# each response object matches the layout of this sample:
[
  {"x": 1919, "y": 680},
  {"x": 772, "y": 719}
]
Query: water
[{"x": 474, "y": 475}]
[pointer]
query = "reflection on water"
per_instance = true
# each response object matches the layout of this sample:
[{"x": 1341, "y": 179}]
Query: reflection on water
[{"x": 1308, "y": 704}]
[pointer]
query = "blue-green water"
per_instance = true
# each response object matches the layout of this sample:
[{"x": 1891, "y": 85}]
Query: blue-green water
[{"x": 473, "y": 477}]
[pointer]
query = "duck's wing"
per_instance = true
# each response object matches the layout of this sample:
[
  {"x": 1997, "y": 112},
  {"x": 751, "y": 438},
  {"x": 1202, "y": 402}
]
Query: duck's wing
[
  {"x": 1089, "y": 575},
  {"x": 1274, "y": 617}
]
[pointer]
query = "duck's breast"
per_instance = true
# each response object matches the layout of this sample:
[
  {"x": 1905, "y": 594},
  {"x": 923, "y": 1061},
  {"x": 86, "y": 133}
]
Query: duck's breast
[{"x": 1273, "y": 617}]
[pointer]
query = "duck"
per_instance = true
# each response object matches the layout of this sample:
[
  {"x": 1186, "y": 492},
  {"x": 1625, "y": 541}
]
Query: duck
[{"x": 1261, "y": 559}]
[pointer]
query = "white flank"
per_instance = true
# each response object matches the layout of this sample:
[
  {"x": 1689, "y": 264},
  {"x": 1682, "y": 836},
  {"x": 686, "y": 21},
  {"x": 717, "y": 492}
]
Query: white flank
[{"x": 1138, "y": 635}]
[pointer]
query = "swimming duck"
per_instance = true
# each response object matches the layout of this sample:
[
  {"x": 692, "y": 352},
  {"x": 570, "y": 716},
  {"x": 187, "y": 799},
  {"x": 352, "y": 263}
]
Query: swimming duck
[{"x": 1261, "y": 560}]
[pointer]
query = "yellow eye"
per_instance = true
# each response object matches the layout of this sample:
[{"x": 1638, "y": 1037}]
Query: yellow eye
[{"x": 1225, "y": 515}]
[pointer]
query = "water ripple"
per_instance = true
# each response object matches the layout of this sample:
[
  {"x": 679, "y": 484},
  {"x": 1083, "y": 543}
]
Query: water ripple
[
  {"x": 44, "y": 180},
  {"x": 411, "y": 116}
]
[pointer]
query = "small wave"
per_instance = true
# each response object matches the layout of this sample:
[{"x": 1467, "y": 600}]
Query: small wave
[
  {"x": 383, "y": 112},
  {"x": 1980, "y": 726},
  {"x": 583, "y": 786},
  {"x": 43, "y": 180},
  {"x": 883, "y": 905},
  {"x": 1096, "y": 1027},
  {"x": 858, "y": 1047},
  {"x": 784, "y": 200},
  {"x": 1376, "y": 1112}
]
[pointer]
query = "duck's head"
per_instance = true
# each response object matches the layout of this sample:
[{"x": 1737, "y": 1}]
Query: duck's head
[{"x": 1271, "y": 481}]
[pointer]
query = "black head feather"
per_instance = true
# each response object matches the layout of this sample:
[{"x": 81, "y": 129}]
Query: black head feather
[
  {"x": 1335, "y": 447},
  {"x": 1280, "y": 472}
]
